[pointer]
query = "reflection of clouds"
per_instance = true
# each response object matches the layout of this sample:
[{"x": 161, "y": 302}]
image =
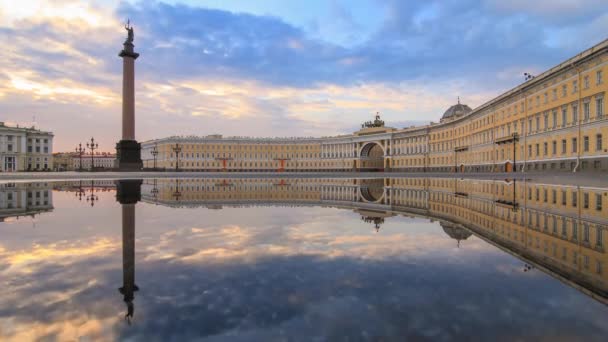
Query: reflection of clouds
[
  {"x": 301, "y": 274},
  {"x": 63, "y": 252},
  {"x": 330, "y": 236},
  {"x": 50, "y": 282}
]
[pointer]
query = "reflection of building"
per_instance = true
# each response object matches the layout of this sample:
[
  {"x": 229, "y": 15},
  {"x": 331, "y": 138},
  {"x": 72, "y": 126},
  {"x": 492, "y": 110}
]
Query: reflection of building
[
  {"x": 560, "y": 229},
  {"x": 554, "y": 121},
  {"x": 455, "y": 232},
  {"x": 23, "y": 149},
  {"x": 374, "y": 217},
  {"x": 20, "y": 199}
]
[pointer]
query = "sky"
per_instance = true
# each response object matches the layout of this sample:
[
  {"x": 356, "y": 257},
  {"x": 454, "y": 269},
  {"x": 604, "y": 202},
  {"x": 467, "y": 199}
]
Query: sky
[{"x": 274, "y": 67}]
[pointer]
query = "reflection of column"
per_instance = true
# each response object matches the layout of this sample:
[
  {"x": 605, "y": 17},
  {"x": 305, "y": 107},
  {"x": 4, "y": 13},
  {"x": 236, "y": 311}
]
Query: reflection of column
[
  {"x": 128, "y": 193},
  {"x": 128, "y": 257}
]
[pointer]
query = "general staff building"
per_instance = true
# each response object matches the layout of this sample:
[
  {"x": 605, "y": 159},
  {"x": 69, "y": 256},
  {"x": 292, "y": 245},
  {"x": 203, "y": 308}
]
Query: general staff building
[{"x": 554, "y": 121}]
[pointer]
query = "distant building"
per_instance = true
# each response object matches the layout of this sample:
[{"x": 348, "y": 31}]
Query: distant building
[
  {"x": 101, "y": 160},
  {"x": 70, "y": 161},
  {"x": 25, "y": 149},
  {"x": 64, "y": 161}
]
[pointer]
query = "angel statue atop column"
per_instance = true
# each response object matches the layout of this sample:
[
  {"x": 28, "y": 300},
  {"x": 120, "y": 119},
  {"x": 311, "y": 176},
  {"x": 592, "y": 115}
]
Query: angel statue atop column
[{"x": 129, "y": 29}]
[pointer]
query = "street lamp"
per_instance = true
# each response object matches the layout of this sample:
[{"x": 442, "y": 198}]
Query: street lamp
[
  {"x": 154, "y": 154},
  {"x": 92, "y": 146},
  {"x": 177, "y": 149},
  {"x": 80, "y": 150}
]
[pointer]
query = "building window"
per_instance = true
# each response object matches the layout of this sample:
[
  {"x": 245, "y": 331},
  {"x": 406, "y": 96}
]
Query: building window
[
  {"x": 564, "y": 116},
  {"x": 598, "y": 202},
  {"x": 545, "y": 148},
  {"x": 564, "y": 146},
  {"x": 574, "y": 86},
  {"x": 586, "y": 111},
  {"x": 574, "y": 145},
  {"x": 574, "y": 114},
  {"x": 598, "y": 77},
  {"x": 586, "y": 82},
  {"x": 598, "y": 142},
  {"x": 554, "y": 147},
  {"x": 599, "y": 107},
  {"x": 586, "y": 144},
  {"x": 574, "y": 199},
  {"x": 564, "y": 90},
  {"x": 586, "y": 200},
  {"x": 554, "y": 119}
]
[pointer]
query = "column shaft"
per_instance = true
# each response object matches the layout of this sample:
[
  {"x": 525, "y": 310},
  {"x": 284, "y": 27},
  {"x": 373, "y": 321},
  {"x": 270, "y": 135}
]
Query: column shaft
[{"x": 128, "y": 98}]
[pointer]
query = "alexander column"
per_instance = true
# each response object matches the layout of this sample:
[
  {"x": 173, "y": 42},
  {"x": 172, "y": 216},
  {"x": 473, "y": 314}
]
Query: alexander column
[{"x": 128, "y": 150}]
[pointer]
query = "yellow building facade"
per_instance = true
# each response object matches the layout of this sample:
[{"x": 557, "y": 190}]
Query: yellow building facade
[{"x": 554, "y": 121}]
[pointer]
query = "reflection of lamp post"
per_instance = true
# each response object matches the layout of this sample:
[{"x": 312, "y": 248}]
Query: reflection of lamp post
[
  {"x": 177, "y": 194},
  {"x": 92, "y": 198},
  {"x": 154, "y": 154},
  {"x": 80, "y": 192},
  {"x": 80, "y": 150},
  {"x": 92, "y": 146},
  {"x": 177, "y": 149}
]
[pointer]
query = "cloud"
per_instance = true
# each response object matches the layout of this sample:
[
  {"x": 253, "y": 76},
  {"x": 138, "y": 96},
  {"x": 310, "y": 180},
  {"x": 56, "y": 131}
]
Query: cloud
[{"x": 259, "y": 75}]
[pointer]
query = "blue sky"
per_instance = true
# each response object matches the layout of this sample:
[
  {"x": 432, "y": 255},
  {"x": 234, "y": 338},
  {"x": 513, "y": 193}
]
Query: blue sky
[{"x": 275, "y": 68}]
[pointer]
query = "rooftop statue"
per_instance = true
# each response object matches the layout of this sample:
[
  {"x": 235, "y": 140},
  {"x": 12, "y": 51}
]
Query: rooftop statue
[
  {"x": 376, "y": 123},
  {"x": 129, "y": 29}
]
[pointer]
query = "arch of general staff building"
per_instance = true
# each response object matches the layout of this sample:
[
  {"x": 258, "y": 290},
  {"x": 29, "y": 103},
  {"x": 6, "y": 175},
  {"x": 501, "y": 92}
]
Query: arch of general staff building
[
  {"x": 559, "y": 228},
  {"x": 554, "y": 121}
]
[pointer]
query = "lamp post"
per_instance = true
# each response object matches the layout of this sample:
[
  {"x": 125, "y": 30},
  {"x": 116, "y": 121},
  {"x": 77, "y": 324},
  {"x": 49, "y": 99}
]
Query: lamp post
[
  {"x": 154, "y": 154},
  {"x": 177, "y": 149},
  {"x": 92, "y": 146},
  {"x": 80, "y": 150}
]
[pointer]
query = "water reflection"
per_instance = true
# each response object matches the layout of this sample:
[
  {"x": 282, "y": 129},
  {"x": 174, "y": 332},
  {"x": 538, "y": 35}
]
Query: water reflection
[
  {"x": 19, "y": 199},
  {"x": 559, "y": 227},
  {"x": 259, "y": 282},
  {"x": 128, "y": 193}
]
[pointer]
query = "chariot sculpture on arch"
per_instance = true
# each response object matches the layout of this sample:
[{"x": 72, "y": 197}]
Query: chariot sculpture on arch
[{"x": 130, "y": 34}]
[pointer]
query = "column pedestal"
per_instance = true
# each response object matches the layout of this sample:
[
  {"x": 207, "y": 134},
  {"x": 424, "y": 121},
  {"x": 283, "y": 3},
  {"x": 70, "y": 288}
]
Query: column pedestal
[{"x": 128, "y": 155}]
